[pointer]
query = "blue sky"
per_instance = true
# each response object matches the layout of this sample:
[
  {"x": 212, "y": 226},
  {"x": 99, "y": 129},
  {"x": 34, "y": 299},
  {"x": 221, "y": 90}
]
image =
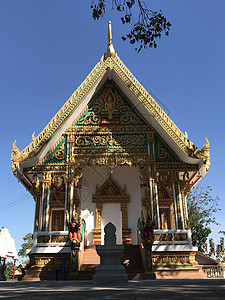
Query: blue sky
[{"x": 48, "y": 47}]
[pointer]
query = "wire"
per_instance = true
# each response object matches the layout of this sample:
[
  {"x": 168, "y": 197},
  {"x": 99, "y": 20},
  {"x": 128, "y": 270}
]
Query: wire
[{"x": 14, "y": 203}]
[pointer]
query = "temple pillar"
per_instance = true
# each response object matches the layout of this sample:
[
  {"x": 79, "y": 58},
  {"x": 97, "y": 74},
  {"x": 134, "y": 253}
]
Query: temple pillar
[
  {"x": 46, "y": 183},
  {"x": 185, "y": 211},
  {"x": 65, "y": 206},
  {"x": 154, "y": 201},
  {"x": 175, "y": 205},
  {"x": 153, "y": 188},
  {"x": 41, "y": 209},
  {"x": 37, "y": 210},
  {"x": 178, "y": 206},
  {"x": 71, "y": 200},
  {"x": 69, "y": 187},
  {"x": 36, "y": 192},
  {"x": 69, "y": 190}
]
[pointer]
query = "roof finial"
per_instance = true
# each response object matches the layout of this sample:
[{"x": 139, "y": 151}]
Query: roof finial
[{"x": 110, "y": 48}]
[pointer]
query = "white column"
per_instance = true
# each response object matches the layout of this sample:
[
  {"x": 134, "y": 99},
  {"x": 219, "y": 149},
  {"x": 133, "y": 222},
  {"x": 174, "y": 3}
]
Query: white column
[
  {"x": 181, "y": 206},
  {"x": 71, "y": 200},
  {"x": 151, "y": 196},
  {"x": 186, "y": 209},
  {"x": 66, "y": 192},
  {"x": 157, "y": 205},
  {"x": 41, "y": 208},
  {"x": 47, "y": 209},
  {"x": 175, "y": 205}
]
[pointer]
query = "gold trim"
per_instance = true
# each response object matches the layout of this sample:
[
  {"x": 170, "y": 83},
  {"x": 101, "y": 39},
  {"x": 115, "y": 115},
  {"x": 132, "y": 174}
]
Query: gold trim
[{"x": 138, "y": 90}]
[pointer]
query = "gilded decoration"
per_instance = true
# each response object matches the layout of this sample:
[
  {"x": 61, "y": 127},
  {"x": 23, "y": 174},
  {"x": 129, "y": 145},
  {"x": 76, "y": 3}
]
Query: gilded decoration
[
  {"x": 110, "y": 131},
  {"x": 164, "y": 178},
  {"x": 110, "y": 48},
  {"x": 169, "y": 259},
  {"x": 57, "y": 155},
  {"x": 16, "y": 156},
  {"x": 110, "y": 191},
  {"x": 36, "y": 185},
  {"x": 163, "y": 153},
  {"x": 203, "y": 153},
  {"x": 165, "y": 218},
  {"x": 82, "y": 91},
  {"x": 57, "y": 220},
  {"x": 48, "y": 260}
]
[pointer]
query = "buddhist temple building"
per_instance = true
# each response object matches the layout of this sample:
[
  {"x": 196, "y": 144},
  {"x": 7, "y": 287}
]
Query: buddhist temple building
[{"x": 112, "y": 152}]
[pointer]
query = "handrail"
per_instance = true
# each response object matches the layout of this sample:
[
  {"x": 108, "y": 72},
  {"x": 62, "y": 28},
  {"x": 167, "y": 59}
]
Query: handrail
[
  {"x": 142, "y": 249},
  {"x": 82, "y": 247}
]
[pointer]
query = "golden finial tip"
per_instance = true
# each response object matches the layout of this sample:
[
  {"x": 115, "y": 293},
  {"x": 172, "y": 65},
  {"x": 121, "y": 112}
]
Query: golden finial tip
[{"x": 110, "y": 48}]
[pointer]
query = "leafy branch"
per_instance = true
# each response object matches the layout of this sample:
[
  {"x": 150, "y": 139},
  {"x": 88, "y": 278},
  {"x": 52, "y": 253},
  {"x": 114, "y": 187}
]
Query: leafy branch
[{"x": 147, "y": 26}]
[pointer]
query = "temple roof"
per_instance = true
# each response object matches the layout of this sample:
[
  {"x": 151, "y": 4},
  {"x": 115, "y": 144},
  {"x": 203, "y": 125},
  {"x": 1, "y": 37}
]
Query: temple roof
[{"x": 111, "y": 67}]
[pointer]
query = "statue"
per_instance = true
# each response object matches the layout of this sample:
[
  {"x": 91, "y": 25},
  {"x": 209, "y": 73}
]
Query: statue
[
  {"x": 75, "y": 238},
  {"x": 74, "y": 227},
  {"x": 146, "y": 229}
]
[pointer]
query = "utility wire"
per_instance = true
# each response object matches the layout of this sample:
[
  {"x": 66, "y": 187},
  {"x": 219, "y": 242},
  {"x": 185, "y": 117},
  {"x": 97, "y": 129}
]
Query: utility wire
[
  {"x": 24, "y": 196},
  {"x": 14, "y": 203}
]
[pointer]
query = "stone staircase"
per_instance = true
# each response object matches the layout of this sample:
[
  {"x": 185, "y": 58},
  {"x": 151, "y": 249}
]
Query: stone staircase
[
  {"x": 131, "y": 260},
  {"x": 90, "y": 259}
]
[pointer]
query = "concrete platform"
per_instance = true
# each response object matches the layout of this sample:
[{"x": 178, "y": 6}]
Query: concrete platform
[{"x": 147, "y": 289}]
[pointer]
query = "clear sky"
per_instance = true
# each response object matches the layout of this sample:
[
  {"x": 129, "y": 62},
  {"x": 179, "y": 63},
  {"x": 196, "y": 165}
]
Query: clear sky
[{"x": 48, "y": 47}]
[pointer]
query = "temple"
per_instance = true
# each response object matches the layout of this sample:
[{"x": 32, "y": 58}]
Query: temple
[{"x": 111, "y": 152}]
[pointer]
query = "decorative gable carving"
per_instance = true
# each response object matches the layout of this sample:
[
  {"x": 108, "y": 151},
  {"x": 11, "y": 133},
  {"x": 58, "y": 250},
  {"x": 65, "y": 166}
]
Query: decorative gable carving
[
  {"x": 110, "y": 191},
  {"x": 162, "y": 152}
]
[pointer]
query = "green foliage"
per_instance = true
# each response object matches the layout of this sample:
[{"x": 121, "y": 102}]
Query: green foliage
[
  {"x": 219, "y": 253},
  {"x": 202, "y": 207},
  {"x": 212, "y": 251},
  {"x": 9, "y": 270},
  {"x": 26, "y": 245},
  {"x": 147, "y": 25}
]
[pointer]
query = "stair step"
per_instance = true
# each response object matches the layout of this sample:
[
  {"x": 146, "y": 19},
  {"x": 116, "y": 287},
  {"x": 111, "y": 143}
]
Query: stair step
[
  {"x": 88, "y": 267},
  {"x": 89, "y": 247},
  {"x": 131, "y": 259}
]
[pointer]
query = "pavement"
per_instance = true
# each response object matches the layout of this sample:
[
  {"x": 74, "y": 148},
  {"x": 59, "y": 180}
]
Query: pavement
[{"x": 145, "y": 289}]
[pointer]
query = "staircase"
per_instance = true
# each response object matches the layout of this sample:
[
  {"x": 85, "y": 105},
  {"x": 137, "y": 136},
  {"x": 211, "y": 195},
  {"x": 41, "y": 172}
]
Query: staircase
[
  {"x": 89, "y": 262},
  {"x": 131, "y": 260}
]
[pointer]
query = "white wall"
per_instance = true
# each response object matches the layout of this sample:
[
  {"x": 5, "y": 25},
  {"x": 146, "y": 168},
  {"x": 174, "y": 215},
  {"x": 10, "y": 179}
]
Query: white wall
[
  {"x": 130, "y": 177},
  {"x": 122, "y": 175},
  {"x": 111, "y": 213}
]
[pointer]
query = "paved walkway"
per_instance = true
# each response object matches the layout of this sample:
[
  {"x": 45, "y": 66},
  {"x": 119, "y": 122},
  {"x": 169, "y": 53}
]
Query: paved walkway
[{"x": 152, "y": 289}]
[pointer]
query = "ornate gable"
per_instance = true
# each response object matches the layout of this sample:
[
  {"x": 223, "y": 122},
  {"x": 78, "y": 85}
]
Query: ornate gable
[
  {"x": 110, "y": 124},
  {"x": 57, "y": 155},
  {"x": 162, "y": 151}
]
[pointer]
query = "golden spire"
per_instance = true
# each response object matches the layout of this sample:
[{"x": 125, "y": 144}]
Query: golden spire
[{"x": 110, "y": 48}]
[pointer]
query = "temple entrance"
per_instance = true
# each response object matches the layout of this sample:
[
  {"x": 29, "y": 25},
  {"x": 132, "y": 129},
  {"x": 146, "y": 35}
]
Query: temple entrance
[
  {"x": 111, "y": 206},
  {"x": 111, "y": 213}
]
